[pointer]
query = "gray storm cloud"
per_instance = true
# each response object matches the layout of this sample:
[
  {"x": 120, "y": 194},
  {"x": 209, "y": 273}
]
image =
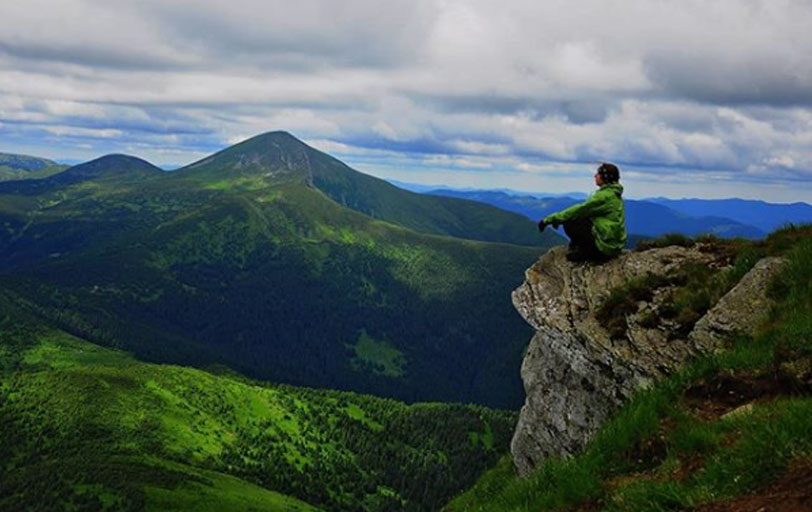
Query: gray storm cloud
[{"x": 722, "y": 87}]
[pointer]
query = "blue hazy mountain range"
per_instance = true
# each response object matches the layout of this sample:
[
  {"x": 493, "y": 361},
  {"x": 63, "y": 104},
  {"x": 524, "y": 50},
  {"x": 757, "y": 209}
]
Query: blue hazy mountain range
[
  {"x": 765, "y": 216},
  {"x": 653, "y": 217},
  {"x": 417, "y": 187}
]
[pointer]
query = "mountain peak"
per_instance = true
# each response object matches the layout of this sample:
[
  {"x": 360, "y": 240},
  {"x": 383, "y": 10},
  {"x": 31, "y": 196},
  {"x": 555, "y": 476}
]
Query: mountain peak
[
  {"x": 276, "y": 136},
  {"x": 109, "y": 165},
  {"x": 276, "y": 153}
]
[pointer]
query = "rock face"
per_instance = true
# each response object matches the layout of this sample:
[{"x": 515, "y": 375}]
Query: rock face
[
  {"x": 575, "y": 373},
  {"x": 739, "y": 310}
]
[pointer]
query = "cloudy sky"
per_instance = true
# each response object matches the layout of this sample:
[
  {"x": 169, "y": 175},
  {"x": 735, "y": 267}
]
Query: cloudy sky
[{"x": 690, "y": 98}]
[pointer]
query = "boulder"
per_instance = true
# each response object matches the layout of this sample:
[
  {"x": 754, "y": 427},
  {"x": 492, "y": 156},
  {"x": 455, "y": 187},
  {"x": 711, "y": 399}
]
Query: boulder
[{"x": 740, "y": 310}]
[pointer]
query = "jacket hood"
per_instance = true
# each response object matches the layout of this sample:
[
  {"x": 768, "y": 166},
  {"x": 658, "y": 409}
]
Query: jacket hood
[{"x": 617, "y": 188}]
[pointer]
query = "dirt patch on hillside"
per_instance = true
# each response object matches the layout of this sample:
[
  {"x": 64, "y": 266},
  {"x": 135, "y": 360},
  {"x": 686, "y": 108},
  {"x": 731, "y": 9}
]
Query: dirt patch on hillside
[
  {"x": 716, "y": 396},
  {"x": 790, "y": 493}
]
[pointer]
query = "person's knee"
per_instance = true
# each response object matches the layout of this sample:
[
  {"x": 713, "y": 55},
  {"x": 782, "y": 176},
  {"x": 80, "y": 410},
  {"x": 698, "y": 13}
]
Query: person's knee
[{"x": 578, "y": 228}]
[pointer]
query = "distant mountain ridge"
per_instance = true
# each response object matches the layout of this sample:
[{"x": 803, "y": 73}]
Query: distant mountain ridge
[
  {"x": 24, "y": 162},
  {"x": 14, "y": 166},
  {"x": 109, "y": 168},
  {"x": 763, "y": 215},
  {"x": 642, "y": 217},
  {"x": 418, "y": 187}
]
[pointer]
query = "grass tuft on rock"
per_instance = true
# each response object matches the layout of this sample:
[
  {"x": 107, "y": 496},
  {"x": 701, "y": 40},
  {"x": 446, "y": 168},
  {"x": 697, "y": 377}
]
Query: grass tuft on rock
[
  {"x": 666, "y": 240},
  {"x": 694, "y": 288}
]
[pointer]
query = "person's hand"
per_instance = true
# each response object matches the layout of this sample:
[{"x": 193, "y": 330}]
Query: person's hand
[{"x": 542, "y": 225}]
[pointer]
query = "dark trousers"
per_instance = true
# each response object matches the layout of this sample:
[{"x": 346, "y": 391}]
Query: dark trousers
[{"x": 579, "y": 232}]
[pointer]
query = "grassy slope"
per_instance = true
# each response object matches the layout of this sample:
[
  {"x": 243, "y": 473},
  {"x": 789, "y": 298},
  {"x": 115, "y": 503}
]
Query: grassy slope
[
  {"x": 248, "y": 272},
  {"x": 460, "y": 218},
  {"x": 9, "y": 173},
  {"x": 216, "y": 492},
  {"x": 661, "y": 452},
  {"x": 93, "y": 428}
]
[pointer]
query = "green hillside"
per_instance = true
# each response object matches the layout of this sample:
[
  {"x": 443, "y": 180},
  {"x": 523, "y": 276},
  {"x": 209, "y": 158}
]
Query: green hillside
[
  {"x": 24, "y": 167},
  {"x": 240, "y": 260},
  {"x": 731, "y": 432},
  {"x": 283, "y": 157},
  {"x": 90, "y": 428}
]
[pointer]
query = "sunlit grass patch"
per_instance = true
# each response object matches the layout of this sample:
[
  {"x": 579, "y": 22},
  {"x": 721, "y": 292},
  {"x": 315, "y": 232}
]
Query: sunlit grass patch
[
  {"x": 378, "y": 356},
  {"x": 216, "y": 492},
  {"x": 358, "y": 414},
  {"x": 57, "y": 349},
  {"x": 243, "y": 183}
]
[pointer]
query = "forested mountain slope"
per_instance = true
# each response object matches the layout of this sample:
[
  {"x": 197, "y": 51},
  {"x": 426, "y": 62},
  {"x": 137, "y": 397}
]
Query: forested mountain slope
[
  {"x": 242, "y": 260},
  {"x": 91, "y": 428}
]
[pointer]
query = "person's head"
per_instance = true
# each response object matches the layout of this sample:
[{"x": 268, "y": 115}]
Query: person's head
[{"x": 607, "y": 173}]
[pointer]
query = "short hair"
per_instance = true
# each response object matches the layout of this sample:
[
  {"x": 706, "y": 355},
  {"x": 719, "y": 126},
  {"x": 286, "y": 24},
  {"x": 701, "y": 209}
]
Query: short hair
[{"x": 609, "y": 173}]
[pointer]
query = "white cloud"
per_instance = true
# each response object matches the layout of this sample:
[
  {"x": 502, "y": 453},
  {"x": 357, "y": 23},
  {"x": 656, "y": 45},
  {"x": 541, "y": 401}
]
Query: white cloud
[
  {"x": 456, "y": 161},
  {"x": 781, "y": 160},
  {"x": 477, "y": 147},
  {"x": 720, "y": 89},
  {"x": 84, "y": 132}
]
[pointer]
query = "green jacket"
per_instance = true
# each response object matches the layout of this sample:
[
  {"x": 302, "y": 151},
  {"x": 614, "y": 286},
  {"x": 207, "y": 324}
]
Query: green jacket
[{"x": 605, "y": 208}]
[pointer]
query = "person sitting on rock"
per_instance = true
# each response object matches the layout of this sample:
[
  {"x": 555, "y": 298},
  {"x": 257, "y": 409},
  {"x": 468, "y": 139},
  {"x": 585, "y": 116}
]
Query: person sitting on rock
[{"x": 597, "y": 227}]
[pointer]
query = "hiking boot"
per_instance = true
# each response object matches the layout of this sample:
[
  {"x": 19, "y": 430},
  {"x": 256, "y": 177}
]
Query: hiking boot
[{"x": 580, "y": 256}]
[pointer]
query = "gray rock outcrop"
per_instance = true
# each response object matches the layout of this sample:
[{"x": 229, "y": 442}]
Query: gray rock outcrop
[
  {"x": 740, "y": 310},
  {"x": 576, "y": 373}
]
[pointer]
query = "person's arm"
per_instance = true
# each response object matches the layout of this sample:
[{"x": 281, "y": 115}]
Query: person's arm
[{"x": 595, "y": 205}]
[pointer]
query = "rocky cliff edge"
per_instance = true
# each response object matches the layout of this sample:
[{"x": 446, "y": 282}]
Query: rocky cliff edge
[{"x": 577, "y": 370}]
